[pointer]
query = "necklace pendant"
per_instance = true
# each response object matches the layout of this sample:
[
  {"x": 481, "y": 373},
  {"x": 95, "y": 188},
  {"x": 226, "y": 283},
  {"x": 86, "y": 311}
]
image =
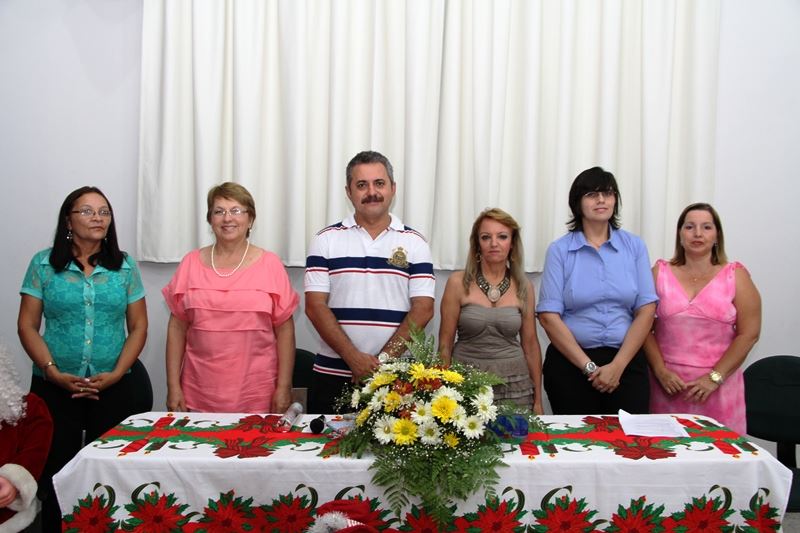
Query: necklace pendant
[{"x": 493, "y": 294}]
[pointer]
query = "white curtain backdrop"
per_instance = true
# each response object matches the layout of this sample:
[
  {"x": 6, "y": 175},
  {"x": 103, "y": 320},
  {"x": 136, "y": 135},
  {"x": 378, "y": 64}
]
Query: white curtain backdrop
[{"x": 476, "y": 103}]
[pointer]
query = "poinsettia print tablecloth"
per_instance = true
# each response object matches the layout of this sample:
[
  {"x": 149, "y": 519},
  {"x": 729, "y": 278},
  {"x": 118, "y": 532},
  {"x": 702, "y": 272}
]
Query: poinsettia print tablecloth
[{"x": 233, "y": 472}]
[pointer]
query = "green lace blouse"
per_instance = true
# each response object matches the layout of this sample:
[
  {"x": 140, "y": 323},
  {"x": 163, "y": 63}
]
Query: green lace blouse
[{"x": 84, "y": 316}]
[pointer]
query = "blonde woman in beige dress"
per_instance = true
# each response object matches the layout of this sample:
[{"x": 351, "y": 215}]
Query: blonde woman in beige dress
[{"x": 487, "y": 317}]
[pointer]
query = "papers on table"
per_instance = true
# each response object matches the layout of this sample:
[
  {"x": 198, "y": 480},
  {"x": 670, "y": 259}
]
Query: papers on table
[{"x": 651, "y": 425}]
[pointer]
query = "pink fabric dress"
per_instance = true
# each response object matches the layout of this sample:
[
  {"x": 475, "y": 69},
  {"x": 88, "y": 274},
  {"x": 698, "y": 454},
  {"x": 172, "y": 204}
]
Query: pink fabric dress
[
  {"x": 693, "y": 335},
  {"x": 231, "y": 358}
]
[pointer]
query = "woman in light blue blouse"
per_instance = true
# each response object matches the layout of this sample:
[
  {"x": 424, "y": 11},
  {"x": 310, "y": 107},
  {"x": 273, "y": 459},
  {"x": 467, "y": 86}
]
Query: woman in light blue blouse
[
  {"x": 596, "y": 304},
  {"x": 89, "y": 293}
]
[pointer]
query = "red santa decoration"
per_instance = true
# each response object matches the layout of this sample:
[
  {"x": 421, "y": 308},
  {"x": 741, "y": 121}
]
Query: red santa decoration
[{"x": 25, "y": 433}]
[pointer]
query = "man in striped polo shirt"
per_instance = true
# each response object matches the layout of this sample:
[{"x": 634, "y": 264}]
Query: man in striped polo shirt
[{"x": 368, "y": 278}]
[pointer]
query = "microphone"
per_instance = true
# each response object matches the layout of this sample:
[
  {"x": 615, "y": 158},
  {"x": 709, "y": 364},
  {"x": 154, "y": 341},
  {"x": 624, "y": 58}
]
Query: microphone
[
  {"x": 289, "y": 418},
  {"x": 317, "y": 425}
]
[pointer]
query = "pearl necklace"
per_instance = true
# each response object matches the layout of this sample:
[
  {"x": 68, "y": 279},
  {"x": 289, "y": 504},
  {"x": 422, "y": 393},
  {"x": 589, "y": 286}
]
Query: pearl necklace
[{"x": 232, "y": 272}]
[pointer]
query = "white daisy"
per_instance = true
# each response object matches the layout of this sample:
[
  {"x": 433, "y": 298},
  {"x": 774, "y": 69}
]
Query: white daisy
[
  {"x": 430, "y": 433},
  {"x": 383, "y": 429},
  {"x": 486, "y": 410},
  {"x": 471, "y": 426},
  {"x": 422, "y": 413},
  {"x": 459, "y": 415},
  {"x": 449, "y": 392},
  {"x": 376, "y": 402},
  {"x": 355, "y": 398}
]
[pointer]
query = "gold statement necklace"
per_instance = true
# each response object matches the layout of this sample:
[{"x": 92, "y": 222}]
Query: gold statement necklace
[{"x": 493, "y": 292}]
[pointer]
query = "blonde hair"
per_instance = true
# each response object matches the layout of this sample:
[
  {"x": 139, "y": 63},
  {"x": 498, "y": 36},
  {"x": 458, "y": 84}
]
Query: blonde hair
[{"x": 515, "y": 256}]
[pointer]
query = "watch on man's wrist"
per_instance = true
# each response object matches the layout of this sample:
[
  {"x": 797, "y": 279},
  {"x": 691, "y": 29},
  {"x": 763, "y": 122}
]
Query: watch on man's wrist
[
  {"x": 589, "y": 368},
  {"x": 716, "y": 377}
]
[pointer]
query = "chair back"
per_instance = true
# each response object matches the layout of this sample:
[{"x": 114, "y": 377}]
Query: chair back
[
  {"x": 302, "y": 376},
  {"x": 772, "y": 397},
  {"x": 303, "y": 368},
  {"x": 144, "y": 388}
]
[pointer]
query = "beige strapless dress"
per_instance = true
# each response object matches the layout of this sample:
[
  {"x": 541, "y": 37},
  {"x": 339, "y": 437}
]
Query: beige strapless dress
[{"x": 488, "y": 339}]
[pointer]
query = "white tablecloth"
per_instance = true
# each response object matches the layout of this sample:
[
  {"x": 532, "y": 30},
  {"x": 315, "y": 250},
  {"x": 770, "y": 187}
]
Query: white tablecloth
[{"x": 201, "y": 470}]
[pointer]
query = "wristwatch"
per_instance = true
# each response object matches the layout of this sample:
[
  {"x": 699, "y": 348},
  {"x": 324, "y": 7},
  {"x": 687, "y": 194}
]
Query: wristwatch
[
  {"x": 716, "y": 377},
  {"x": 589, "y": 368}
]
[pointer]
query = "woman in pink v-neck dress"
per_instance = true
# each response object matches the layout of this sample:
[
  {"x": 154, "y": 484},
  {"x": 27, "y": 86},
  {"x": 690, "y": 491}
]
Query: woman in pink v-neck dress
[
  {"x": 230, "y": 340},
  {"x": 707, "y": 320}
]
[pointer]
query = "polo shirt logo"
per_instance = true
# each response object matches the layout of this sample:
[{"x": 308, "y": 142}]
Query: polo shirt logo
[{"x": 399, "y": 258}]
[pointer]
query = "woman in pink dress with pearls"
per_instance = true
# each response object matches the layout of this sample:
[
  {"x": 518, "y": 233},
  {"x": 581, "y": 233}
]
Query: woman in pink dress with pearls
[
  {"x": 230, "y": 339},
  {"x": 707, "y": 320}
]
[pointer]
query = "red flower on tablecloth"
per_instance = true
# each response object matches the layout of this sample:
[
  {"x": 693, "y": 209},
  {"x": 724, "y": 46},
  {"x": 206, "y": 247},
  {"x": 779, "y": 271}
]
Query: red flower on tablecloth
[
  {"x": 227, "y": 514},
  {"x": 418, "y": 521},
  {"x": 564, "y": 514},
  {"x": 462, "y": 525},
  {"x": 263, "y": 423},
  {"x": 499, "y": 516},
  {"x": 760, "y": 517},
  {"x": 242, "y": 449},
  {"x": 703, "y": 515},
  {"x": 640, "y": 447},
  {"x": 637, "y": 518},
  {"x": 91, "y": 515},
  {"x": 292, "y": 513},
  {"x": 608, "y": 424},
  {"x": 155, "y": 514},
  {"x": 764, "y": 520},
  {"x": 330, "y": 448}
]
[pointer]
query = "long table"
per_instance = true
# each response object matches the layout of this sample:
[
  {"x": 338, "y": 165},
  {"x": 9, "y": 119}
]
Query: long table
[{"x": 233, "y": 472}]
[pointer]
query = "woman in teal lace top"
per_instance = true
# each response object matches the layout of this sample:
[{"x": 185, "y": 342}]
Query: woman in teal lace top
[{"x": 89, "y": 292}]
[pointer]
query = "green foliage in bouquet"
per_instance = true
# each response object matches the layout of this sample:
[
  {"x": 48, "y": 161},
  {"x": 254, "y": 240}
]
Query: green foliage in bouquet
[{"x": 428, "y": 428}]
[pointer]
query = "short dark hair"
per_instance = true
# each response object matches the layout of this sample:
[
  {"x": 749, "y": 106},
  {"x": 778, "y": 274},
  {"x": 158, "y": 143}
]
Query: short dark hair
[
  {"x": 366, "y": 158},
  {"x": 718, "y": 256},
  {"x": 61, "y": 255},
  {"x": 591, "y": 180}
]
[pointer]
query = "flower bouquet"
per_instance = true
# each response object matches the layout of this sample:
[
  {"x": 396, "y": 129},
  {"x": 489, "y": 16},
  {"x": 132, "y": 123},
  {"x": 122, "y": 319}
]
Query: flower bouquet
[{"x": 428, "y": 428}]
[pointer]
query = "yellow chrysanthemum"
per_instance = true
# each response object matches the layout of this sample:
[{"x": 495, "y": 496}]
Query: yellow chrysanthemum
[
  {"x": 392, "y": 401},
  {"x": 444, "y": 408},
  {"x": 418, "y": 372},
  {"x": 404, "y": 432},
  {"x": 451, "y": 376},
  {"x": 380, "y": 380},
  {"x": 451, "y": 440},
  {"x": 362, "y": 416}
]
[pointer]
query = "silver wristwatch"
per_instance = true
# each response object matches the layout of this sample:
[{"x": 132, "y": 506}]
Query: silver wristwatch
[{"x": 589, "y": 368}]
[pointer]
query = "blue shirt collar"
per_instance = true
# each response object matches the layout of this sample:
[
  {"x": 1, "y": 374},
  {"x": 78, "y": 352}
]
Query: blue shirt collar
[{"x": 578, "y": 240}]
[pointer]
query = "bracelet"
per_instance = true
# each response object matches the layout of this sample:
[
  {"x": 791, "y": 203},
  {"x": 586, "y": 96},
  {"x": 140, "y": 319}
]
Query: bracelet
[
  {"x": 396, "y": 346},
  {"x": 46, "y": 366}
]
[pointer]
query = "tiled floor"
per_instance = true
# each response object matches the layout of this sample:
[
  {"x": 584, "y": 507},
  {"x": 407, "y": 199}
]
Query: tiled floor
[{"x": 791, "y": 523}]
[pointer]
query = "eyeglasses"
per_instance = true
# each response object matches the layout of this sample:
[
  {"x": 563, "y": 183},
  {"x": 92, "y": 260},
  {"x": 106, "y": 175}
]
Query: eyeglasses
[
  {"x": 595, "y": 195},
  {"x": 233, "y": 211},
  {"x": 87, "y": 212}
]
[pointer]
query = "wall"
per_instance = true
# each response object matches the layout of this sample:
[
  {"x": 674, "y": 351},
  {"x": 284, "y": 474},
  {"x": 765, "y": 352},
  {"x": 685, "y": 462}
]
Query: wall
[{"x": 70, "y": 100}]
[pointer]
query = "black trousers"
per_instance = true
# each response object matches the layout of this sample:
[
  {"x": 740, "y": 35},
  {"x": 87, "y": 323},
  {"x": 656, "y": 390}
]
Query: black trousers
[
  {"x": 71, "y": 417},
  {"x": 325, "y": 392},
  {"x": 570, "y": 393}
]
